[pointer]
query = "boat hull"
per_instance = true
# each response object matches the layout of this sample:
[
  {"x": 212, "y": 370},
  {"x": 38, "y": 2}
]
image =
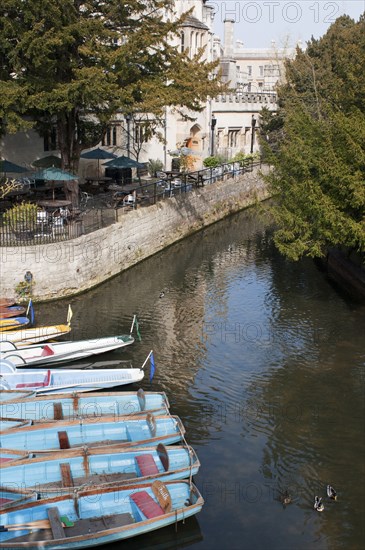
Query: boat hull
[
  {"x": 85, "y": 405},
  {"x": 62, "y": 352},
  {"x": 26, "y": 336},
  {"x": 64, "y": 381},
  {"x": 104, "y": 516},
  {"x": 132, "y": 431},
  {"x": 67, "y": 471}
]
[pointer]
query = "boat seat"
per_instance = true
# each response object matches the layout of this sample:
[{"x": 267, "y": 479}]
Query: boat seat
[
  {"x": 37, "y": 384},
  {"x": 47, "y": 351},
  {"x": 66, "y": 475},
  {"x": 63, "y": 440},
  {"x": 5, "y": 501},
  {"x": 57, "y": 529},
  {"x": 147, "y": 505},
  {"x": 5, "y": 459},
  {"x": 147, "y": 465}
]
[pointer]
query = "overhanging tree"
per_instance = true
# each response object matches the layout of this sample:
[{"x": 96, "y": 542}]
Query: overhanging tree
[
  {"x": 76, "y": 63},
  {"x": 319, "y": 174}
]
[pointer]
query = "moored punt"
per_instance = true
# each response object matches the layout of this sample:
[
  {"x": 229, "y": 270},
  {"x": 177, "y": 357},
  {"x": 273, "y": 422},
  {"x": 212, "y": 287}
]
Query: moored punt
[
  {"x": 26, "y": 336},
  {"x": 10, "y": 395},
  {"x": 67, "y": 471},
  {"x": 8, "y": 456},
  {"x": 6, "y": 302},
  {"x": 61, "y": 352},
  {"x": 97, "y": 517},
  {"x": 138, "y": 431},
  {"x": 13, "y": 323},
  {"x": 8, "y": 423},
  {"x": 12, "y": 311},
  {"x": 10, "y": 496},
  {"x": 65, "y": 380},
  {"x": 85, "y": 405}
]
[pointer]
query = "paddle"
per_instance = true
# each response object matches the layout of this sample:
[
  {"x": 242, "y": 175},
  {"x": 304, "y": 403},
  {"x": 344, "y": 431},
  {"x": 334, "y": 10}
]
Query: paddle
[{"x": 37, "y": 524}]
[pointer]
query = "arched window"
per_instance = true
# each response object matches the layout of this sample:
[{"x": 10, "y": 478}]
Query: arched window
[{"x": 182, "y": 42}]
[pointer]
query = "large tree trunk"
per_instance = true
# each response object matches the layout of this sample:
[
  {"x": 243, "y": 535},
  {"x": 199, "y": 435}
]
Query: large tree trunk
[{"x": 70, "y": 148}]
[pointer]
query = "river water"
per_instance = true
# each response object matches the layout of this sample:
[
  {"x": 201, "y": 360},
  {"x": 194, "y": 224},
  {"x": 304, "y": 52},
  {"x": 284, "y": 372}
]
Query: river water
[{"x": 263, "y": 361}]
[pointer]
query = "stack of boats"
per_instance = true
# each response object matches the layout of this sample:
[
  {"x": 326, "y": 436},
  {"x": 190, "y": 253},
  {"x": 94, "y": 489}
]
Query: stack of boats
[{"x": 80, "y": 470}]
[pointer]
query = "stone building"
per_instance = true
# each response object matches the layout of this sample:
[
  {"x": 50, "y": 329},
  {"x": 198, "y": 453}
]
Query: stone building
[{"x": 226, "y": 125}]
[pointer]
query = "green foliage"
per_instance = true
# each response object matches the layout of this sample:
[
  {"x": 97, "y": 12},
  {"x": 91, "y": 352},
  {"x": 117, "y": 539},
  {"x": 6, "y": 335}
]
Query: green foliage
[
  {"x": 245, "y": 160},
  {"x": 70, "y": 62},
  {"x": 212, "y": 162},
  {"x": 24, "y": 290},
  {"x": 319, "y": 160},
  {"x": 154, "y": 166},
  {"x": 23, "y": 214}
]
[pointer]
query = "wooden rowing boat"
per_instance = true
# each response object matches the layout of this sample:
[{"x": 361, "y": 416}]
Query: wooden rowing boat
[
  {"x": 67, "y": 471},
  {"x": 12, "y": 495},
  {"x": 132, "y": 430},
  {"x": 61, "y": 352},
  {"x": 10, "y": 395},
  {"x": 85, "y": 405},
  {"x": 9, "y": 424},
  {"x": 8, "y": 456},
  {"x": 99, "y": 516}
]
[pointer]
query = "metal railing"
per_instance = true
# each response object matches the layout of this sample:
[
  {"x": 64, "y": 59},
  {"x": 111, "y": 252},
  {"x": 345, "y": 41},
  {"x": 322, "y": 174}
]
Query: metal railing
[{"x": 98, "y": 211}]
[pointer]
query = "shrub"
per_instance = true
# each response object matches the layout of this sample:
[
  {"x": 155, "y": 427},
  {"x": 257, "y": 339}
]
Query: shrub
[
  {"x": 24, "y": 214},
  {"x": 154, "y": 166}
]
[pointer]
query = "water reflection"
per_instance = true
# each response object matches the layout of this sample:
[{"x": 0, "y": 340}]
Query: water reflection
[
  {"x": 169, "y": 538},
  {"x": 263, "y": 361}
]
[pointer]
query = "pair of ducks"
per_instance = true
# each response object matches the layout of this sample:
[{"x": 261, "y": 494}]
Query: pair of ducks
[{"x": 331, "y": 493}]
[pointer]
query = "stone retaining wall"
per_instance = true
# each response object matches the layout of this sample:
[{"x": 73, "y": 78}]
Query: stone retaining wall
[{"x": 67, "y": 268}]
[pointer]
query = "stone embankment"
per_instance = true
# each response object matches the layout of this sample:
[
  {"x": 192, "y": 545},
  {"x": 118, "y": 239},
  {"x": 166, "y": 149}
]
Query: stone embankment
[{"x": 70, "y": 267}]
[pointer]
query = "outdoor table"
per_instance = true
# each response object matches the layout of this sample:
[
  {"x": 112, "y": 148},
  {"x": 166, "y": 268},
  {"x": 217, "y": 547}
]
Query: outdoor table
[
  {"x": 54, "y": 203},
  {"x": 98, "y": 179}
]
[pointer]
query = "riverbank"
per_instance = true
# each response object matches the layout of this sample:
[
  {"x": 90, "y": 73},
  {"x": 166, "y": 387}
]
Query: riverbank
[{"x": 71, "y": 267}]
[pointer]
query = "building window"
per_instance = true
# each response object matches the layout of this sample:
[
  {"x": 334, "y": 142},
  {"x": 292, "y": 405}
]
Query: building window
[
  {"x": 142, "y": 132},
  {"x": 261, "y": 70},
  {"x": 220, "y": 138},
  {"x": 249, "y": 70},
  {"x": 110, "y": 137},
  {"x": 233, "y": 138},
  {"x": 182, "y": 42},
  {"x": 272, "y": 70}
]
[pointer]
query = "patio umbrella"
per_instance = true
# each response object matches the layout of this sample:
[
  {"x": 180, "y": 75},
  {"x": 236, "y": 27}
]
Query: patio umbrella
[
  {"x": 123, "y": 162},
  {"x": 98, "y": 154},
  {"x": 48, "y": 162},
  {"x": 54, "y": 174},
  {"x": 7, "y": 166}
]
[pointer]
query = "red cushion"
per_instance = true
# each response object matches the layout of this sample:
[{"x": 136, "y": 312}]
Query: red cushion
[
  {"x": 5, "y": 500},
  {"x": 5, "y": 459},
  {"x": 147, "y": 465},
  {"x": 147, "y": 505}
]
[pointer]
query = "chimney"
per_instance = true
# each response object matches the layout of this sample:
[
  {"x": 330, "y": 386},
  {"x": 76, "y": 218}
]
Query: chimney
[{"x": 228, "y": 38}]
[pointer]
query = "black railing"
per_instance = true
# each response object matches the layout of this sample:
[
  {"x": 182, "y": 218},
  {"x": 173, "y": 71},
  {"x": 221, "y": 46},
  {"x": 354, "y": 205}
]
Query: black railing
[{"x": 98, "y": 211}]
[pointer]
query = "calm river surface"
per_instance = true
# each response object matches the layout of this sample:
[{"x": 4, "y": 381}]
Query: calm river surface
[{"x": 263, "y": 361}]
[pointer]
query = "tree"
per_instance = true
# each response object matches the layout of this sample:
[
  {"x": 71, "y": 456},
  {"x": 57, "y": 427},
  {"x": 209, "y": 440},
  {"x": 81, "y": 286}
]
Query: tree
[
  {"x": 75, "y": 63},
  {"x": 319, "y": 174}
]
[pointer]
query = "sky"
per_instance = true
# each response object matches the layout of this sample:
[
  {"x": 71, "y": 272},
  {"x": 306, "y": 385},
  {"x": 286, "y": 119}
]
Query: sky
[{"x": 259, "y": 22}]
